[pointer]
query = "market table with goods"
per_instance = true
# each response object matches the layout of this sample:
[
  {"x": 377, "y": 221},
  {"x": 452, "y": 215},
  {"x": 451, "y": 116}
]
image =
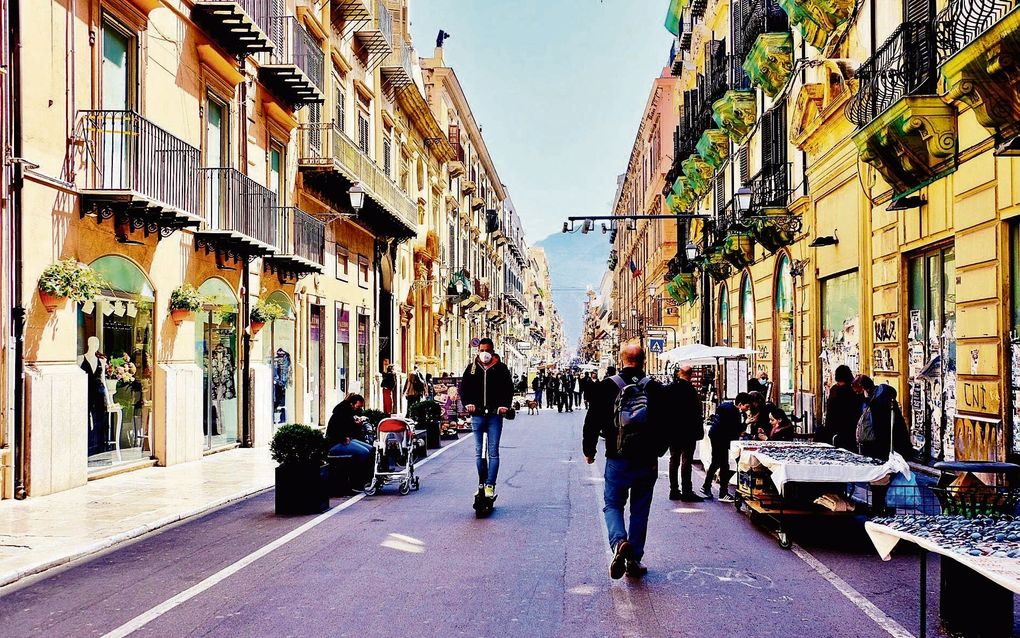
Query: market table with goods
[{"x": 781, "y": 479}]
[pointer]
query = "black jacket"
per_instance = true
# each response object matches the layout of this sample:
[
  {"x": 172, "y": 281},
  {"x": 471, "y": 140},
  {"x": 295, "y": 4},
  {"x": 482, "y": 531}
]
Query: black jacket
[
  {"x": 538, "y": 384},
  {"x": 341, "y": 425},
  {"x": 842, "y": 412},
  {"x": 687, "y": 422},
  {"x": 726, "y": 424},
  {"x": 886, "y": 414},
  {"x": 487, "y": 389},
  {"x": 599, "y": 419}
]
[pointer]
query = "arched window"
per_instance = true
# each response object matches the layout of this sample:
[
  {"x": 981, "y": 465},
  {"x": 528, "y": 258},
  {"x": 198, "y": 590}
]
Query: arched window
[
  {"x": 115, "y": 351},
  {"x": 278, "y": 347},
  {"x": 723, "y": 329},
  {"x": 747, "y": 312},
  {"x": 216, "y": 343},
  {"x": 784, "y": 338}
]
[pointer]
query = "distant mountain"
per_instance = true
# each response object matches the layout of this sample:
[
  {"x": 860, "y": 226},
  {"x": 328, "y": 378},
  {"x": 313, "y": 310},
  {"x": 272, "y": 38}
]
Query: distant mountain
[{"x": 576, "y": 261}]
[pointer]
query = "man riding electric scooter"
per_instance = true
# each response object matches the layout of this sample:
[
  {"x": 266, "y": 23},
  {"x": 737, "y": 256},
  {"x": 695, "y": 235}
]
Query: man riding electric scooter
[{"x": 487, "y": 392}]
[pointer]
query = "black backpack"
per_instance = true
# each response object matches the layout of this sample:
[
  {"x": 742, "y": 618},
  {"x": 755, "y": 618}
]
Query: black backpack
[{"x": 631, "y": 418}]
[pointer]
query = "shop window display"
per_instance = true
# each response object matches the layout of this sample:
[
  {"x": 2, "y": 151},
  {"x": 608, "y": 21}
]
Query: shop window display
[
  {"x": 115, "y": 353},
  {"x": 784, "y": 329},
  {"x": 216, "y": 341},
  {"x": 278, "y": 349}
]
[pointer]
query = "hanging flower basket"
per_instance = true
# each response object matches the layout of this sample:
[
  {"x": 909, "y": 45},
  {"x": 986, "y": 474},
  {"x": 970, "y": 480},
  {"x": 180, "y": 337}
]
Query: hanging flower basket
[
  {"x": 716, "y": 266},
  {"x": 178, "y": 315},
  {"x": 263, "y": 312},
  {"x": 68, "y": 279},
  {"x": 256, "y": 326},
  {"x": 50, "y": 301}
]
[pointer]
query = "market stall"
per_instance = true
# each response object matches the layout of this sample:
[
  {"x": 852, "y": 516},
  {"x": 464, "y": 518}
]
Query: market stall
[{"x": 779, "y": 480}]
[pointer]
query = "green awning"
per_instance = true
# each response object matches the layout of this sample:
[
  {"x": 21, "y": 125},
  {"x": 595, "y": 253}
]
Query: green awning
[{"x": 676, "y": 7}]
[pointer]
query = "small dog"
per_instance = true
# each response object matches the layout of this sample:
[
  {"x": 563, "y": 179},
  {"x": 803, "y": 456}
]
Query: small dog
[{"x": 532, "y": 407}]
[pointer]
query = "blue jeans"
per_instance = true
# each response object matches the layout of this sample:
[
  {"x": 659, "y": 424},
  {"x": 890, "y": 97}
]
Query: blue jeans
[
  {"x": 538, "y": 398},
  {"x": 637, "y": 479},
  {"x": 491, "y": 424},
  {"x": 359, "y": 467}
]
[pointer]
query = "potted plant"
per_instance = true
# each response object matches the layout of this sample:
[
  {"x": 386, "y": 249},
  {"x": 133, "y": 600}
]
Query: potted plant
[
  {"x": 68, "y": 279},
  {"x": 428, "y": 415},
  {"x": 184, "y": 300},
  {"x": 263, "y": 312},
  {"x": 302, "y": 485}
]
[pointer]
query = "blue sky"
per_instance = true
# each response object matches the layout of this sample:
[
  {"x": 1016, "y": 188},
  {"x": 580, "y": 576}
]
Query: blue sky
[{"x": 558, "y": 87}]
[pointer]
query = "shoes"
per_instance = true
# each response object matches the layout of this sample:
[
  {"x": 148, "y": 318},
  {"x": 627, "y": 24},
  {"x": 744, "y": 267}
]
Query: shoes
[
  {"x": 490, "y": 491},
  {"x": 620, "y": 560},
  {"x": 481, "y": 489},
  {"x": 707, "y": 493},
  {"x": 706, "y": 489},
  {"x": 726, "y": 498},
  {"x": 690, "y": 497},
  {"x": 635, "y": 569},
  {"x": 674, "y": 495}
]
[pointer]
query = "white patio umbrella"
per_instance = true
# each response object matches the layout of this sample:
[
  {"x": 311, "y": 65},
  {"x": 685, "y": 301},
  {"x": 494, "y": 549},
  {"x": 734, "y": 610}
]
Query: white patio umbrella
[{"x": 698, "y": 354}]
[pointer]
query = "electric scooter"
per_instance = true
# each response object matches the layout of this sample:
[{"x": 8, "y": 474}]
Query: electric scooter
[{"x": 483, "y": 505}]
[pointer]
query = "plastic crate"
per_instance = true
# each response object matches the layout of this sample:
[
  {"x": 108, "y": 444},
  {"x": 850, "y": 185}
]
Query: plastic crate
[{"x": 971, "y": 502}]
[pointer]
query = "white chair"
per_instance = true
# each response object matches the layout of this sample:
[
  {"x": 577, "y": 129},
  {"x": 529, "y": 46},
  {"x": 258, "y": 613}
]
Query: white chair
[{"x": 115, "y": 414}]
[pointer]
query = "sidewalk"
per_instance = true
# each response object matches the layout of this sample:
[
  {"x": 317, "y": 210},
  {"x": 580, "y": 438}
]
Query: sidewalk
[{"x": 40, "y": 533}]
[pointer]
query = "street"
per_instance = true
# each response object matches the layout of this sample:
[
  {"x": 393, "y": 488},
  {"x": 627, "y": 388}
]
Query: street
[{"x": 423, "y": 565}]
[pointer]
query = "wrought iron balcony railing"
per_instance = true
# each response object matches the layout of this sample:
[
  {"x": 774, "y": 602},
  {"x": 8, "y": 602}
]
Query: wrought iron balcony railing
[
  {"x": 396, "y": 68},
  {"x": 375, "y": 35},
  {"x": 301, "y": 235},
  {"x": 770, "y": 188},
  {"x": 352, "y": 14},
  {"x": 761, "y": 16},
  {"x": 962, "y": 21},
  {"x": 293, "y": 70},
  {"x": 737, "y": 77},
  {"x": 235, "y": 203},
  {"x": 904, "y": 65},
  {"x": 130, "y": 158},
  {"x": 239, "y": 26},
  {"x": 716, "y": 71}
]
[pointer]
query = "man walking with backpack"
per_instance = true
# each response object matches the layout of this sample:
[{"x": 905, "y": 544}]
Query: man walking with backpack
[{"x": 623, "y": 411}]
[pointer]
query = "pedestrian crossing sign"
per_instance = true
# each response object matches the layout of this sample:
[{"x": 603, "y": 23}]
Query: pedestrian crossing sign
[{"x": 656, "y": 345}]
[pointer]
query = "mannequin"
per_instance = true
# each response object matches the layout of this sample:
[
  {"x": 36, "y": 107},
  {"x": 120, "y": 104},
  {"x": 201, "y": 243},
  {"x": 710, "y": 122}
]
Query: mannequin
[{"x": 94, "y": 366}]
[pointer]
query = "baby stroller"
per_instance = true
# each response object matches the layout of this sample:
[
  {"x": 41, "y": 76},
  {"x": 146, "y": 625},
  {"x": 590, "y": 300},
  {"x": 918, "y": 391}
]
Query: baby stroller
[{"x": 394, "y": 456}]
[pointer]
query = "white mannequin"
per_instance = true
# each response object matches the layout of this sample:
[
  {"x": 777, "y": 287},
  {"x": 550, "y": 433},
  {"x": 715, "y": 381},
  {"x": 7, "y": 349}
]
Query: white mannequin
[{"x": 91, "y": 353}]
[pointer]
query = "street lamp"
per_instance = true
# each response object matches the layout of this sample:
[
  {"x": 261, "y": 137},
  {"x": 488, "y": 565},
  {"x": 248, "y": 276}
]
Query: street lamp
[
  {"x": 743, "y": 199},
  {"x": 357, "y": 193},
  {"x": 692, "y": 251}
]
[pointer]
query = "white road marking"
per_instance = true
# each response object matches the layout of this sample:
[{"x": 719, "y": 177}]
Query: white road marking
[
  {"x": 141, "y": 620},
  {"x": 890, "y": 626}
]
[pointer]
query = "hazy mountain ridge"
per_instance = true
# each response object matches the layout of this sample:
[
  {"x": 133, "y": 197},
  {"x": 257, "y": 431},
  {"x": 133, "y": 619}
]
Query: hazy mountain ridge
[{"x": 576, "y": 261}]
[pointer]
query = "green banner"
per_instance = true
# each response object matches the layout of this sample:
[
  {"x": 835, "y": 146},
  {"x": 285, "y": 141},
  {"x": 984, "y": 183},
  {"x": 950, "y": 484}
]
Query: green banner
[{"x": 676, "y": 7}]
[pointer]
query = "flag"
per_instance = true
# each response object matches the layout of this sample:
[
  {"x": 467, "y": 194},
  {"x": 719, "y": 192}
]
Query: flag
[
  {"x": 676, "y": 7},
  {"x": 634, "y": 270}
]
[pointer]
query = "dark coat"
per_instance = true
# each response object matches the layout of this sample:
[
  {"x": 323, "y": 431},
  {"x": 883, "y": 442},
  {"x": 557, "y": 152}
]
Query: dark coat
[
  {"x": 488, "y": 389},
  {"x": 842, "y": 412},
  {"x": 341, "y": 425},
  {"x": 599, "y": 420},
  {"x": 726, "y": 424},
  {"x": 886, "y": 414},
  {"x": 688, "y": 418}
]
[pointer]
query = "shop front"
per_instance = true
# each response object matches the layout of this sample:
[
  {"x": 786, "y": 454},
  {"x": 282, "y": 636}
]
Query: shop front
[
  {"x": 342, "y": 356},
  {"x": 279, "y": 354},
  {"x": 783, "y": 371},
  {"x": 841, "y": 318},
  {"x": 115, "y": 341},
  {"x": 216, "y": 352}
]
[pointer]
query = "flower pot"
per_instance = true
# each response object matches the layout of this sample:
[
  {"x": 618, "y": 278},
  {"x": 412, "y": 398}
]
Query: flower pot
[
  {"x": 302, "y": 489},
  {"x": 50, "y": 301},
  {"x": 179, "y": 314},
  {"x": 256, "y": 326}
]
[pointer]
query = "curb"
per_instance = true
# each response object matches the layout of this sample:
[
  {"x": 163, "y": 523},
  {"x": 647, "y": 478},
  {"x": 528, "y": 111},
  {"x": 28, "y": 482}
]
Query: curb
[{"x": 10, "y": 578}]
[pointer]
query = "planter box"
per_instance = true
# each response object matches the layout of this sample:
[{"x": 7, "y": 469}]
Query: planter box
[{"x": 302, "y": 490}]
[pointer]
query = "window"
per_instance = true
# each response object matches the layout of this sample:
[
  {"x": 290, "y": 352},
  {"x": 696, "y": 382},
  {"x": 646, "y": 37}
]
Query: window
[
  {"x": 841, "y": 315},
  {"x": 118, "y": 67},
  {"x": 343, "y": 263},
  {"x": 784, "y": 337},
  {"x": 363, "y": 132},
  {"x": 276, "y": 173},
  {"x": 363, "y": 271},
  {"x": 339, "y": 104},
  {"x": 387, "y": 146}
]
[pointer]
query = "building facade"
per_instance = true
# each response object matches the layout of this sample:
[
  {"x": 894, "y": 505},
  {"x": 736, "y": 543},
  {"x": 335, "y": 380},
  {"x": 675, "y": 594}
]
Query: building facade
[{"x": 281, "y": 158}]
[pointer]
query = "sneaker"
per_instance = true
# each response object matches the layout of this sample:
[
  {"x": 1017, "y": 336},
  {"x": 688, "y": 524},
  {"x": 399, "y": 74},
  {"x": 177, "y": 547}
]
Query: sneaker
[
  {"x": 707, "y": 494},
  {"x": 726, "y": 498},
  {"x": 620, "y": 560},
  {"x": 674, "y": 495},
  {"x": 690, "y": 497},
  {"x": 490, "y": 491},
  {"x": 635, "y": 569}
]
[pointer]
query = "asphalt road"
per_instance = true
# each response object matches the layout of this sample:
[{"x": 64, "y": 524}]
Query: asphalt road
[{"x": 422, "y": 565}]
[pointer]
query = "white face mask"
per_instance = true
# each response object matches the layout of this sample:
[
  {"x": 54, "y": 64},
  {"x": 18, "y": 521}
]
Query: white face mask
[{"x": 485, "y": 357}]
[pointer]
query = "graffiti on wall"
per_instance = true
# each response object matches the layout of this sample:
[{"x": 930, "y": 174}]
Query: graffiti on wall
[
  {"x": 1014, "y": 390},
  {"x": 885, "y": 329},
  {"x": 980, "y": 438},
  {"x": 841, "y": 348}
]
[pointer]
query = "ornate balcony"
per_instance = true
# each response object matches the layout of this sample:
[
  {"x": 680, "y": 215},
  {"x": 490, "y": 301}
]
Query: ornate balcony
[
  {"x": 137, "y": 174},
  {"x": 375, "y": 35},
  {"x": 714, "y": 147},
  {"x": 769, "y": 63},
  {"x": 762, "y": 16},
  {"x": 352, "y": 14},
  {"x": 978, "y": 47},
  {"x": 683, "y": 288},
  {"x": 769, "y": 220},
  {"x": 301, "y": 242},
  {"x": 736, "y": 114},
  {"x": 818, "y": 19},
  {"x": 332, "y": 162},
  {"x": 467, "y": 187},
  {"x": 699, "y": 173},
  {"x": 738, "y": 247},
  {"x": 239, "y": 26},
  {"x": 240, "y": 216},
  {"x": 715, "y": 264},
  {"x": 292, "y": 71},
  {"x": 396, "y": 68}
]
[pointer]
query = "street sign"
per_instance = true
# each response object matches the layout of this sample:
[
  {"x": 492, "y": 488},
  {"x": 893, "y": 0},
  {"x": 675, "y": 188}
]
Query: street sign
[
  {"x": 475, "y": 342},
  {"x": 656, "y": 345}
]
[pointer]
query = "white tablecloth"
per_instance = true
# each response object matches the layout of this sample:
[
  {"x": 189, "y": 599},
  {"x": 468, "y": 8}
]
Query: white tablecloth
[{"x": 1002, "y": 571}]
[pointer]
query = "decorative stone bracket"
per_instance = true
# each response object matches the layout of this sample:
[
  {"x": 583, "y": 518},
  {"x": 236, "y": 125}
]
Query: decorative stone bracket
[
  {"x": 985, "y": 75},
  {"x": 686, "y": 196},
  {"x": 770, "y": 62},
  {"x": 735, "y": 113},
  {"x": 738, "y": 249},
  {"x": 912, "y": 143},
  {"x": 774, "y": 228},
  {"x": 698, "y": 173},
  {"x": 714, "y": 147},
  {"x": 817, "y": 19}
]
